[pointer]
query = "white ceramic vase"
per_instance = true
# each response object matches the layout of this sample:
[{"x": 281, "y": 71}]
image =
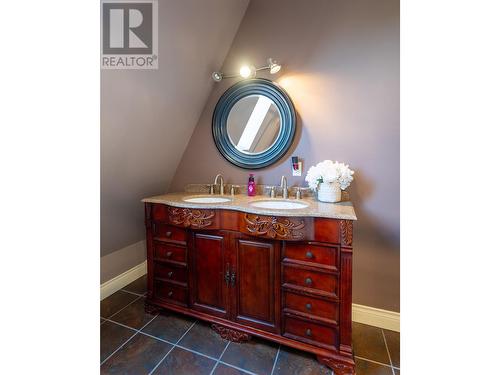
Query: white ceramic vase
[{"x": 329, "y": 192}]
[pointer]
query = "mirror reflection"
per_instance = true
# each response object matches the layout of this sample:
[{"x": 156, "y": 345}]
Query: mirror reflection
[{"x": 253, "y": 124}]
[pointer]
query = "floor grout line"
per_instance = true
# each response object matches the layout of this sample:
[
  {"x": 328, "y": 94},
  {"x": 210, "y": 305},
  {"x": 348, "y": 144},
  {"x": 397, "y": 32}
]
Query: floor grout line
[
  {"x": 238, "y": 368},
  {"x": 173, "y": 347},
  {"x": 371, "y": 360},
  {"x": 177, "y": 345},
  {"x": 121, "y": 346},
  {"x": 221, "y": 354},
  {"x": 130, "y": 338},
  {"x": 389, "y": 354},
  {"x": 121, "y": 308},
  {"x": 164, "y": 340},
  {"x": 276, "y": 359},
  {"x": 134, "y": 293},
  {"x": 219, "y": 359}
]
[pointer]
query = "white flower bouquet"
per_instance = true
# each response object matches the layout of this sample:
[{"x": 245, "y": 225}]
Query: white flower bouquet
[{"x": 329, "y": 179}]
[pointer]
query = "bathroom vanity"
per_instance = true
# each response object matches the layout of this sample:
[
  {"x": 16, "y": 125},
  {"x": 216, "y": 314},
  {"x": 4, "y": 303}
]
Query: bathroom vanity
[{"x": 251, "y": 269}]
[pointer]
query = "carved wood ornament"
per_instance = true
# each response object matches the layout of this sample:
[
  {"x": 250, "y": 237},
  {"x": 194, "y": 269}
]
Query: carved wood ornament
[
  {"x": 231, "y": 334},
  {"x": 346, "y": 229},
  {"x": 190, "y": 218},
  {"x": 274, "y": 227}
]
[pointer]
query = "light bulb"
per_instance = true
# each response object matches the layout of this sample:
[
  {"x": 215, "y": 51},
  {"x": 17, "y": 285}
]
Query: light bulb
[
  {"x": 247, "y": 71},
  {"x": 274, "y": 67},
  {"x": 217, "y": 76}
]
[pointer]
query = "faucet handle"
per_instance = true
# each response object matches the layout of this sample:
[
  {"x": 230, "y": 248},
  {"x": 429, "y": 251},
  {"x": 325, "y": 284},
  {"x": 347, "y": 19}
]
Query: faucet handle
[
  {"x": 234, "y": 186},
  {"x": 211, "y": 188},
  {"x": 272, "y": 190},
  {"x": 299, "y": 190}
]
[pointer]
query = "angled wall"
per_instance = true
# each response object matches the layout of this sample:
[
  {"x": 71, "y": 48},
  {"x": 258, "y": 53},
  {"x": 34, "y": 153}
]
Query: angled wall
[
  {"x": 341, "y": 68},
  {"x": 147, "y": 116}
]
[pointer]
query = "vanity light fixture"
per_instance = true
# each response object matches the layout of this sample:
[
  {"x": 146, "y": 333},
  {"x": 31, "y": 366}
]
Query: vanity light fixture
[{"x": 249, "y": 71}]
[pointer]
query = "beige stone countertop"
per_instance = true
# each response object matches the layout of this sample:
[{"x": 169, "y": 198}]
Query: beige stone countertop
[{"x": 240, "y": 202}]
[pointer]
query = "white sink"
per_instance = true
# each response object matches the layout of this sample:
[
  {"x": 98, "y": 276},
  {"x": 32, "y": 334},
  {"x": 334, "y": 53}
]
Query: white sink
[
  {"x": 206, "y": 199},
  {"x": 279, "y": 204}
]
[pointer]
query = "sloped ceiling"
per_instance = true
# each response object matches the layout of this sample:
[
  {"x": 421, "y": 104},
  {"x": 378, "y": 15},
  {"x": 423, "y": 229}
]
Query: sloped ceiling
[{"x": 147, "y": 116}]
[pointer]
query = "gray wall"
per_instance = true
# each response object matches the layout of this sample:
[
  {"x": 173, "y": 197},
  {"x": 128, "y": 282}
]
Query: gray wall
[
  {"x": 341, "y": 68},
  {"x": 147, "y": 116}
]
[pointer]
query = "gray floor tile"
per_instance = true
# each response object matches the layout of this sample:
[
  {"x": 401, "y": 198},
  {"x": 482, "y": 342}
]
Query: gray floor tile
[
  {"x": 204, "y": 339},
  {"x": 183, "y": 362},
  {"x": 138, "y": 356},
  {"x": 256, "y": 355},
  {"x": 170, "y": 328}
]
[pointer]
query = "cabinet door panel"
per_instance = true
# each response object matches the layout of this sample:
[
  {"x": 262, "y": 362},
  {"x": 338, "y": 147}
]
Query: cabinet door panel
[
  {"x": 208, "y": 264},
  {"x": 257, "y": 282}
]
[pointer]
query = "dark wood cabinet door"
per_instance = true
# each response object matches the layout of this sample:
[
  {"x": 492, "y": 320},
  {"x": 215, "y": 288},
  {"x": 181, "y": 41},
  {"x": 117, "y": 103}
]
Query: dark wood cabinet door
[
  {"x": 256, "y": 301},
  {"x": 209, "y": 262}
]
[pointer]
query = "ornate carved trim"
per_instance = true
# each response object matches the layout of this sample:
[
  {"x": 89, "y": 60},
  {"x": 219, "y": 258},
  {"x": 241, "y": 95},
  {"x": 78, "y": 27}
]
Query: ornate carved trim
[
  {"x": 231, "y": 334},
  {"x": 346, "y": 229},
  {"x": 337, "y": 367},
  {"x": 190, "y": 218},
  {"x": 273, "y": 226}
]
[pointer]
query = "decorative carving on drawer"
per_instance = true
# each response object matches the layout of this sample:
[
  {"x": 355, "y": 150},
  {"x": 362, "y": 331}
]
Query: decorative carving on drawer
[
  {"x": 346, "y": 229},
  {"x": 231, "y": 334},
  {"x": 190, "y": 218},
  {"x": 273, "y": 226}
]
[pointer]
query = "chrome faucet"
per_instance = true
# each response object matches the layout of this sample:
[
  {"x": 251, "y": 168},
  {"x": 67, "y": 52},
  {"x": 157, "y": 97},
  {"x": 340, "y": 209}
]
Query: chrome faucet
[
  {"x": 284, "y": 187},
  {"x": 221, "y": 190}
]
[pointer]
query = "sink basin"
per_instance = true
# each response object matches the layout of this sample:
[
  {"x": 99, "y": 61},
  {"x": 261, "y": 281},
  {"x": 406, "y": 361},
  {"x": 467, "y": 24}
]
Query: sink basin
[
  {"x": 279, "y": 204},
  {"x": 206, "y": 199}
]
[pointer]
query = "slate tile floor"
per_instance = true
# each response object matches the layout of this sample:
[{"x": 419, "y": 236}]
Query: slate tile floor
[{"x": 135, "y": 342}]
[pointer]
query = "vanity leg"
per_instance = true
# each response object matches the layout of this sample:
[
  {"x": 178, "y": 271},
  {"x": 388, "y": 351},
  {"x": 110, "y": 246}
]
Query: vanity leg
[
  {"x": 338, "y": 368},
  {"x": 231, "y": 334}
]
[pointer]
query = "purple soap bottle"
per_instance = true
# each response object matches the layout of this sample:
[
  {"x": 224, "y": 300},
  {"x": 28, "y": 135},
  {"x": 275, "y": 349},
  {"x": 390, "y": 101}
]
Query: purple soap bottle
[{"x": 251, "y": 186}]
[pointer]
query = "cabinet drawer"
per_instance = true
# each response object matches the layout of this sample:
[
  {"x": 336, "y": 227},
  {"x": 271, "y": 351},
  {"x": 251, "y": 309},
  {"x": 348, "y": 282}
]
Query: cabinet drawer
[
  {"x": 168, "y": 272},
  {"x": 313, "y": 253},
  {"x": 313, "y": 333},
  {"x": 303, "y": 277},
  {"x": 169, "y": 252},
  {"x": 168, "y": 232},
  {"x": 170, "y": 293},
  {"x": 310, "y": 305}
]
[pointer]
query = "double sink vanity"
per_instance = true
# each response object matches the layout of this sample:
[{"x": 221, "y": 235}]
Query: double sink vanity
[
  {"x": 274, "y": 268},
  {"x": 265, "y": 265}
]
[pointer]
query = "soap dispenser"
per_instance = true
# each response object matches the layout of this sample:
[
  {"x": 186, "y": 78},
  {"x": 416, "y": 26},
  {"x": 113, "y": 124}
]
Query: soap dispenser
[{"x": 251, "y": 186}]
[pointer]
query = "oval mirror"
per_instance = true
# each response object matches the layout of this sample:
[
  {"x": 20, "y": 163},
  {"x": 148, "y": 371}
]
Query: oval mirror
[{"x": 254, "y": 123}]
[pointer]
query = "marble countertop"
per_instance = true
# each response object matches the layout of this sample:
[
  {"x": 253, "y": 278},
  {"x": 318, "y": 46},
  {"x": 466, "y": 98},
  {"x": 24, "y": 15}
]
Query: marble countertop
[{"x": 241, "y": 202}]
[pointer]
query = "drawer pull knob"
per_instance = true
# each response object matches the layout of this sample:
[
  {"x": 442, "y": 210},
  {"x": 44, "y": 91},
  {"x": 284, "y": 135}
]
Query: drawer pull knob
[
  {"x": 169, "y": 234},
  {"x": 308, "y": 306},
  {"x": 169, "y": 254},
  {"x": 309, "y": 255},
  {"x": 170, "y": 274},
  {"x": 170, "y": 293},
  {"x": 308, "y": 332},
  {"x": 308, "y": 281}
]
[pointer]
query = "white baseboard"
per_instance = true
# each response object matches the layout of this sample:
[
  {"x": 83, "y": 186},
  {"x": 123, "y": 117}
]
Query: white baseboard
[
  {"x": 118, "y": 282},
  {"x": 375, "y": 317},
  {"x": 361, "y": 314}
]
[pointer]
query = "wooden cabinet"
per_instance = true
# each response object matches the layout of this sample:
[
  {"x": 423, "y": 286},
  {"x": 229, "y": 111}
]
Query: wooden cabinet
[
  {"x": 282, "y": 279},
  {"x": 257, "y": 289},
  {"x": 210, "y": 264}
]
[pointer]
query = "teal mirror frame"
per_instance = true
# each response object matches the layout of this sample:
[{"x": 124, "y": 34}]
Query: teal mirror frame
[{"x": 256, "y": 86}]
